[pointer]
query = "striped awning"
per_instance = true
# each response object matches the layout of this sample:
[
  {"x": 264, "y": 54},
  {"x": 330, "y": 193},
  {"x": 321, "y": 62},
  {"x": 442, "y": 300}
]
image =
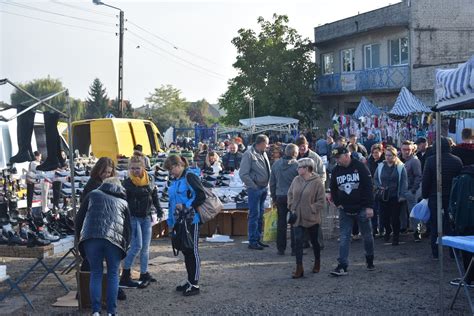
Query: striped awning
[
  {"x": 366, "y": 108},
  {"x": 407, "y": 104},
  {"x": 455, "y": 87}
]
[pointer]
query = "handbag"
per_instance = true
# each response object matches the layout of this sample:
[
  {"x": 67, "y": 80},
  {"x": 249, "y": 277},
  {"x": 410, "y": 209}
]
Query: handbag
[
  {"x": 211, "y": 206},
  {"x": 381, "y": 194},
  {"x": 181, "y": 238}
]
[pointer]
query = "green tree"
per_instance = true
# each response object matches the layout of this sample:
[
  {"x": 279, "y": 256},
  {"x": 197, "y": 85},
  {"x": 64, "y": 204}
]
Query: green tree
[
  {"x": 128, "y": 111},
  {"x": 78, "y": 109},
  {"x": 41, "y": 88},
  {"x": 97, "y": 103},
  {"x": 198, "y": 111},
  {"x": 168, "y": 108},
  {"x": 275, "y": 69}
]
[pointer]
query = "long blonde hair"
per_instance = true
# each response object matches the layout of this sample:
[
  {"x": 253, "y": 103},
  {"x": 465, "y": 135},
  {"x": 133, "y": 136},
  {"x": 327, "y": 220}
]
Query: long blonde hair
[{"x": 394, "y": 153}]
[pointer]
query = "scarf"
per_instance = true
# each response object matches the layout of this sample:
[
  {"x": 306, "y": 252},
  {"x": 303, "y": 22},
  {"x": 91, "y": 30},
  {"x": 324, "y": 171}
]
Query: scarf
[{"x": 139, "y": 181}]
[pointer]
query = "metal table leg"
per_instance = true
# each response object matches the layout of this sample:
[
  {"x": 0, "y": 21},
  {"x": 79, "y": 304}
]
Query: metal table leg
[{"x": 462, "y": 282}]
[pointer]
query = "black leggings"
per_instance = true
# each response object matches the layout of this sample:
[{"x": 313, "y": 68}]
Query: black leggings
[
  {"x": 391, "y": 216},
  {"x": 299, "y": 232},
  {"x": 191, "y": 257}
]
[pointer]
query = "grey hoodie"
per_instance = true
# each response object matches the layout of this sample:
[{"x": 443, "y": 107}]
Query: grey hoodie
[{"x": 283, "y": 172}]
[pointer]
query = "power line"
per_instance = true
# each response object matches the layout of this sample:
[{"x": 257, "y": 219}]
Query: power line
[
  {"x": 82, "y": 9},
  {"x": 177, "y": 57},
  {"x": 58, "y": 23},
  {"x": 58, "y": 14},
  {"x": 170, "y": 43},
  {"x": 140, "y": 45}
]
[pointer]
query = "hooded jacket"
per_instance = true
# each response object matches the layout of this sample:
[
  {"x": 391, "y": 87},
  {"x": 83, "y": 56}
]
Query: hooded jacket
[
  {"x": 104, "y": 214},
  {"x": 402, "y": 179},
  {"x": 306, "y": 198},
  {"x": 451, "y": 167},
  {"x": 255, "y": 169},
  {"x": 464, "y": 151},
  {"x": 283, "y": 172}
]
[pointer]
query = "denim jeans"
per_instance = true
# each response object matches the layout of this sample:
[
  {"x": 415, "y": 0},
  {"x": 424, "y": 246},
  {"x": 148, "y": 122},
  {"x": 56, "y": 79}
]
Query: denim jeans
[
  {"x": 377, "y": 219},
  {"x": 365, "y": 227},
  {"x": 140, "y": 243},
  {"x": 96, "y": 251},
  {"x": 256, "y": 208},
  {"x": 299, "y": 232},
  {"x": 282, "y": 226}
]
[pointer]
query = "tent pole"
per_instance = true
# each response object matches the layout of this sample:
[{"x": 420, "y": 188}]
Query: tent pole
[{"x": 439, "y": 210}]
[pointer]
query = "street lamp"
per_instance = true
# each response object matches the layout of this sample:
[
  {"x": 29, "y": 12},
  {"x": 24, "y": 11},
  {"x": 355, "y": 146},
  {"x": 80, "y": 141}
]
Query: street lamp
[{"x": 120, "y": 71}]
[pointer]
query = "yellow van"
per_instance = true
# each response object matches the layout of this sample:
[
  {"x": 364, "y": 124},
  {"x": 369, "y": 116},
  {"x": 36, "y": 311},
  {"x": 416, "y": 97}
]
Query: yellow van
[{"x": 114, "y": 137}]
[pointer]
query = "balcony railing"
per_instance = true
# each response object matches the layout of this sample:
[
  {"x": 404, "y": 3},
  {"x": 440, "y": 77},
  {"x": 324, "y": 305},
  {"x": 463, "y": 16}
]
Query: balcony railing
[{"x": 382, "y": 78}]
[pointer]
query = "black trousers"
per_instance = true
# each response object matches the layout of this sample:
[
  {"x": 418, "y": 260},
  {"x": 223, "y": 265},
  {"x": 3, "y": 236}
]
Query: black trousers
[
  {"x": 282, "y": 224},
  {"x": 30, "y": 191},
  {"x": 299, "y": 232},
  {"x": 191, "y": 257},
  {"x": 57, "y": 185},
  {"x": 391, "y": 216}
]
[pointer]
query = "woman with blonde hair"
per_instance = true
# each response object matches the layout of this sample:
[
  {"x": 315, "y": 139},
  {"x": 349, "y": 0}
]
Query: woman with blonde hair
[
  {"x": 391, "y": 184},
  {"x": 142, "y": 194},
  {"x": 306, "y": 197},
  {"x": 213, "y": 162}
]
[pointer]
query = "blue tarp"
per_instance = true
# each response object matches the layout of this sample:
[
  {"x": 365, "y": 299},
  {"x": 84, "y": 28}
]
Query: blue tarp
[
  {"x": 366, "y": 108},
  {"x": 455, "y": 87},
  {"x": 407, "y": 104}
]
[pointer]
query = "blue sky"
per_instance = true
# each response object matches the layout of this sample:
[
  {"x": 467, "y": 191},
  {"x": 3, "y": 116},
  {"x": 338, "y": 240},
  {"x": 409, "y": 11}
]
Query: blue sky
[{"x": 183, "y": 43}]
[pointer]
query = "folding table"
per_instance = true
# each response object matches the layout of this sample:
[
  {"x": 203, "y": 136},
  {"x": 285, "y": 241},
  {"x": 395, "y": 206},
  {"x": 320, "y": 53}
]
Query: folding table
[{"x": 465, "y": 243}]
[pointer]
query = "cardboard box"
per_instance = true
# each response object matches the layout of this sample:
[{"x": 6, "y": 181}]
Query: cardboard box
[
  {"x": 239, "y": 223},
  {"x": 208, "y": 228},
  {"x": 159, "y": 230},
  {"x": 224, "y": 223},
  {"x": 84, "y": 279}
]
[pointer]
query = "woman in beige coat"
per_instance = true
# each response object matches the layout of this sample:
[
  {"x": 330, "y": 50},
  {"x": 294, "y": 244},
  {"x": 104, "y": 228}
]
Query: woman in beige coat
[{"x": 306, "y": 198}]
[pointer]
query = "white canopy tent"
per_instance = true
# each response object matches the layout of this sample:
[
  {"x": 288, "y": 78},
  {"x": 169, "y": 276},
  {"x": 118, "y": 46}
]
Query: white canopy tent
[{"x": 258, "y": 125}]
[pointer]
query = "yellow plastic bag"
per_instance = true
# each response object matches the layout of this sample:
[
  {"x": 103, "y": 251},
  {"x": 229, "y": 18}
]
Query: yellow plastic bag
[{"x": 270, "y": 225}]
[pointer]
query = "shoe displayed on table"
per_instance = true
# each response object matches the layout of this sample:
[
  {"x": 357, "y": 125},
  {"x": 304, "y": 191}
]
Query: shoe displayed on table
[
  {"x": 46, "y": 235},
  {"x": 339, "y": 271},
  {"x": 255, "y": 247},
  {"x": 191, "y": 290}
]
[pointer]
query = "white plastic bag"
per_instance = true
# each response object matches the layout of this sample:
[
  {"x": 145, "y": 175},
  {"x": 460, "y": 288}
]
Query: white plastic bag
[{"x": 421, "y": 211}]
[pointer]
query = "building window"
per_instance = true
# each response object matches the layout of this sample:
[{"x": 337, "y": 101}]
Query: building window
[
  {"x": 328, "y": 63},
  {"x": 372, "y": 56},
  {"x": 399, "y": 51},
  {"x": 347, "y": 60}
]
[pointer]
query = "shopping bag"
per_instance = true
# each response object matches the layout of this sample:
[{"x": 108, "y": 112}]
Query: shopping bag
[
  {"x": 421, "y": 211},
  {"x": 270, "y": 226},
  {"x": 211, "y": 206}
]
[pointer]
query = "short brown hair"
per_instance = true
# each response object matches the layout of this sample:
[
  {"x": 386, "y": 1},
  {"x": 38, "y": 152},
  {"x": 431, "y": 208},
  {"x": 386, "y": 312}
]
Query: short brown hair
[
  {"x": 100, "y": 166},
  {"x": 377, "y": 146},
  {"x": 301, "y": 141}
]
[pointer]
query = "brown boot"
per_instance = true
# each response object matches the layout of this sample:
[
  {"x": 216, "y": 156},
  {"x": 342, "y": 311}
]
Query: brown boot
[
  {"x": 298, "y": 272},
  {"x": 317, "y": 266}
]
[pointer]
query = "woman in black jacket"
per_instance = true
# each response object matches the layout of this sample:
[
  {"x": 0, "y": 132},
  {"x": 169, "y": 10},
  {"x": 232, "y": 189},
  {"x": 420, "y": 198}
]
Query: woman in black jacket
[
  {"x": 103, "y": 230},
  {"x": 186, "y": 193},
  {"x": 104, "y": 168},
  {"x": 142, "y": 195}
]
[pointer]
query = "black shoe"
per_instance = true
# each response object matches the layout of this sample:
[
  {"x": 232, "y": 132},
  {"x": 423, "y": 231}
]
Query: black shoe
[
  {"x": 395, "y": 241},
  {"x": 263, "y": 245},
  {"x": 281, "y": 252},
  {"x": 306, "y": 245},
  {"x": 255, "y": 247},
  {"x": 191, "y": 290},
  {"x": 121, "y": 295},
  {"x": 339, "y": 271},
  {"x": 126, "y": 280},
  {"x": 386, "y": 237},
  {"x": 146, "y": 277},
  {"x": 370, "y": 263},
  {"x": 183, "y": 286}
]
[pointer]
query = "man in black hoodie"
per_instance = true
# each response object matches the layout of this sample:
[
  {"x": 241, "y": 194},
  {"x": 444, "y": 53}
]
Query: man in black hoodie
[
  {"x": 351, "y": 192},
  {"x": 451, "y": 167}
]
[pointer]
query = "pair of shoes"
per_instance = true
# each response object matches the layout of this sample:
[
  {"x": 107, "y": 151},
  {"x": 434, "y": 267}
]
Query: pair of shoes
[
  {"x": 146, "y": 277},
  {"x": 263, "y": 245},
  {"x": 298, "y": 273},
  {"x": 416, "y": 236},
  {"x": 121, "y": 296},
  {"x": 317, "y": 266},
  {"x": 339, "y": 271},
  {"x": 281, "y": 252},
  {"x": 370, "y": 263},
  {"x": 457, "y": 281},
  {"x": 255, "y": 247},
  {"x": 191, "y": 290}
]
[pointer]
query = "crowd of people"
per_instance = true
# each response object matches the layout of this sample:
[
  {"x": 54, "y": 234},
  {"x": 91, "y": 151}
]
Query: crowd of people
[{"x": 373, "y": 186}]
